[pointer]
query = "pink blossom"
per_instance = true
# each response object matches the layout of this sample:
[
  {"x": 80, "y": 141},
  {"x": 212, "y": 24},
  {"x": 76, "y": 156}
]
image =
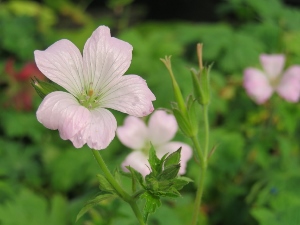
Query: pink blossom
[
  {"x": 161, "y": 129},
  {"x": 260, "y": 85},
  {"x": 94, "y": 82}
]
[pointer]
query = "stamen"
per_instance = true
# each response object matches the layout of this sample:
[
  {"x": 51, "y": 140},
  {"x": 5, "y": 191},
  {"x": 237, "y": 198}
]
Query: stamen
[{"x": 90, "y": 93}]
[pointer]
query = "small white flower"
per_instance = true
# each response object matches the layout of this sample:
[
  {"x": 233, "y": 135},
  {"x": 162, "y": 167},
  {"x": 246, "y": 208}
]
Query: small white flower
[
  {"x": 161, "y": 129},
  {"x": 95, "y": 82}
]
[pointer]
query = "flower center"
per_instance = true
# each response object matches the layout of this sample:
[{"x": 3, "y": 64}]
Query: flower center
[
  {"x": 275, "y": 81},
  {"x": 89, "y": 99},
  {"x": 146, "y": 148}
]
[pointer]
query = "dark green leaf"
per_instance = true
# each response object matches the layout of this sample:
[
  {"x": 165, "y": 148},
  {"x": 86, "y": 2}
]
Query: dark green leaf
[
  {"x": 169, "y": 172},
  {"x": 93, "y": 203},
  {"x": 173, "y": 158}
]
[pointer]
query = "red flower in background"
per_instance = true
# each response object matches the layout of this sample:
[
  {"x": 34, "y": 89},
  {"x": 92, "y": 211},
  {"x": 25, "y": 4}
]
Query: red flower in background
[{"x": 19, "y": 92}]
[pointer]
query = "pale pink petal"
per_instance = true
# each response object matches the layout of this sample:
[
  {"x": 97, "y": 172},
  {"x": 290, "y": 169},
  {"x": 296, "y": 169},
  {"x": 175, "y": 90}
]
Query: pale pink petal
[
  {"x": 60, "y": 110},
  {"x": 186, "y": 153},
  {"x": 105, "y": 58},
  {"x": 138, "y": 161},
  {"x": 289, "y": 86},
  {"x": 272, "y": 64},
  {"x": 134, "y": 133},
  {"x": 162, "y": 127},
  {"x": 257, "y": 85},
  {"x": 129, "y": 94},
  {"x": 62, "y": 63},
  {"x": 99, "y": 131}
]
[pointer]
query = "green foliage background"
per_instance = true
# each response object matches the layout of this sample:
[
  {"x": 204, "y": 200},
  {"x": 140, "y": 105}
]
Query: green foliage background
[{"x": 253, "y": 177}]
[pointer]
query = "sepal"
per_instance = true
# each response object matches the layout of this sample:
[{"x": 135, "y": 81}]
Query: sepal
[{"x": 44, "y": 88}]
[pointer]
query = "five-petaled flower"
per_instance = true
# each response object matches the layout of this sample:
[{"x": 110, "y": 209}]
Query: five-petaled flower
[
  {"x": 161, "y": 129},
  {"x": 94, "y": 82},
  {"x": 260, "y": 85}
]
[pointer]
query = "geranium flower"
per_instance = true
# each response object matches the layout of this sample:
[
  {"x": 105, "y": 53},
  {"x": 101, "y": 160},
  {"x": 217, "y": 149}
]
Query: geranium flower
[
  {"x": 161, "y": 129},
  {"x": 260, "y": 85},
  {"x": 95, "y": 82}
]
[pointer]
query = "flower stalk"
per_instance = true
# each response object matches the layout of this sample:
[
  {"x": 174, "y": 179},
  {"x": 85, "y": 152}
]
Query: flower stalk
[
  {"x": 177, "y": 92},
  {"x": 203, "y": 165},
  {"x": 120, "y": 191}
]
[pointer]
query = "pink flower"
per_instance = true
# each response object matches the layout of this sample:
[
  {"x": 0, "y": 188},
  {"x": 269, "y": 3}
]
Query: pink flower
[
  {"x": 260, "y": 85},
  {"x": 95, "y": 82},
  {"x": 161, "y": 129}
]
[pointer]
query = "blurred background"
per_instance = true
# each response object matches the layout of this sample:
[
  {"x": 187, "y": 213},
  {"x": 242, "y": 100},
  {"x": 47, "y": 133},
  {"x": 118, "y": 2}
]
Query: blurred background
[{"x": 253, "y": 177}]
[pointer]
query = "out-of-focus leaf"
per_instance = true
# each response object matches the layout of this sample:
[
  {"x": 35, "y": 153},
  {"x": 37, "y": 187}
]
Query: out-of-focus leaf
[
  {"x": 93, "y": 202},
  {"x": 33, "y": 209}
]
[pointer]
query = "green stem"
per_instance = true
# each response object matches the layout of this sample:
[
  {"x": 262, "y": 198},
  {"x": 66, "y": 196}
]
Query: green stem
[
  {"x": 123, "y": 194},
  {"x": 199, "y": 193},
  {"x": 206, "y": 130},
  {"x": 137, "y": 212},
  {"x": 203, "y": 156},
  {"x": 198, "y": 148}
]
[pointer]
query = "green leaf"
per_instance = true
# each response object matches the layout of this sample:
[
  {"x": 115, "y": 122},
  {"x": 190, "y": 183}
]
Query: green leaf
[
  {"x": 136, "y": 176},
  {"x": 152, "y": 183},
  {"x": 104, "y": 185},
  {"x": 90, "y": 204},
  {"x": 169, "y": 172},
  {"x": 183, "y": 123},
  {"x": 155, "y": 163},
  {"x": 34, "y": 208},
  {"x": 180, "y": 182},
  {"x": 173, "y": 158},
  {"x": 152, "y": 202},
  {"x": 171, "y": 193}
]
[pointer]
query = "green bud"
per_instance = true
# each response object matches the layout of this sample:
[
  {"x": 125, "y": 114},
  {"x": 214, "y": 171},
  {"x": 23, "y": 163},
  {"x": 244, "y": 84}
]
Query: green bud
[
  {"x": 196, "y": 85},
  {"x": 201, "y": 85},
  {"x": 178, "y": 95},
  {"x": 184, "y": 124},
  {"x": 193, "y": 114},
  {"x": 201, "y": 79},
  {"x": 205, "y": 84}
]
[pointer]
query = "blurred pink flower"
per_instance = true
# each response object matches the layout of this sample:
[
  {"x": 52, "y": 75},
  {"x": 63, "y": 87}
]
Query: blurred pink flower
[
  {"x": 95, "y": 82},
  {"x": 161, "y": 129},
  {"x": 260, "y": 85},
  {"x": 19, "y": 94}
]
